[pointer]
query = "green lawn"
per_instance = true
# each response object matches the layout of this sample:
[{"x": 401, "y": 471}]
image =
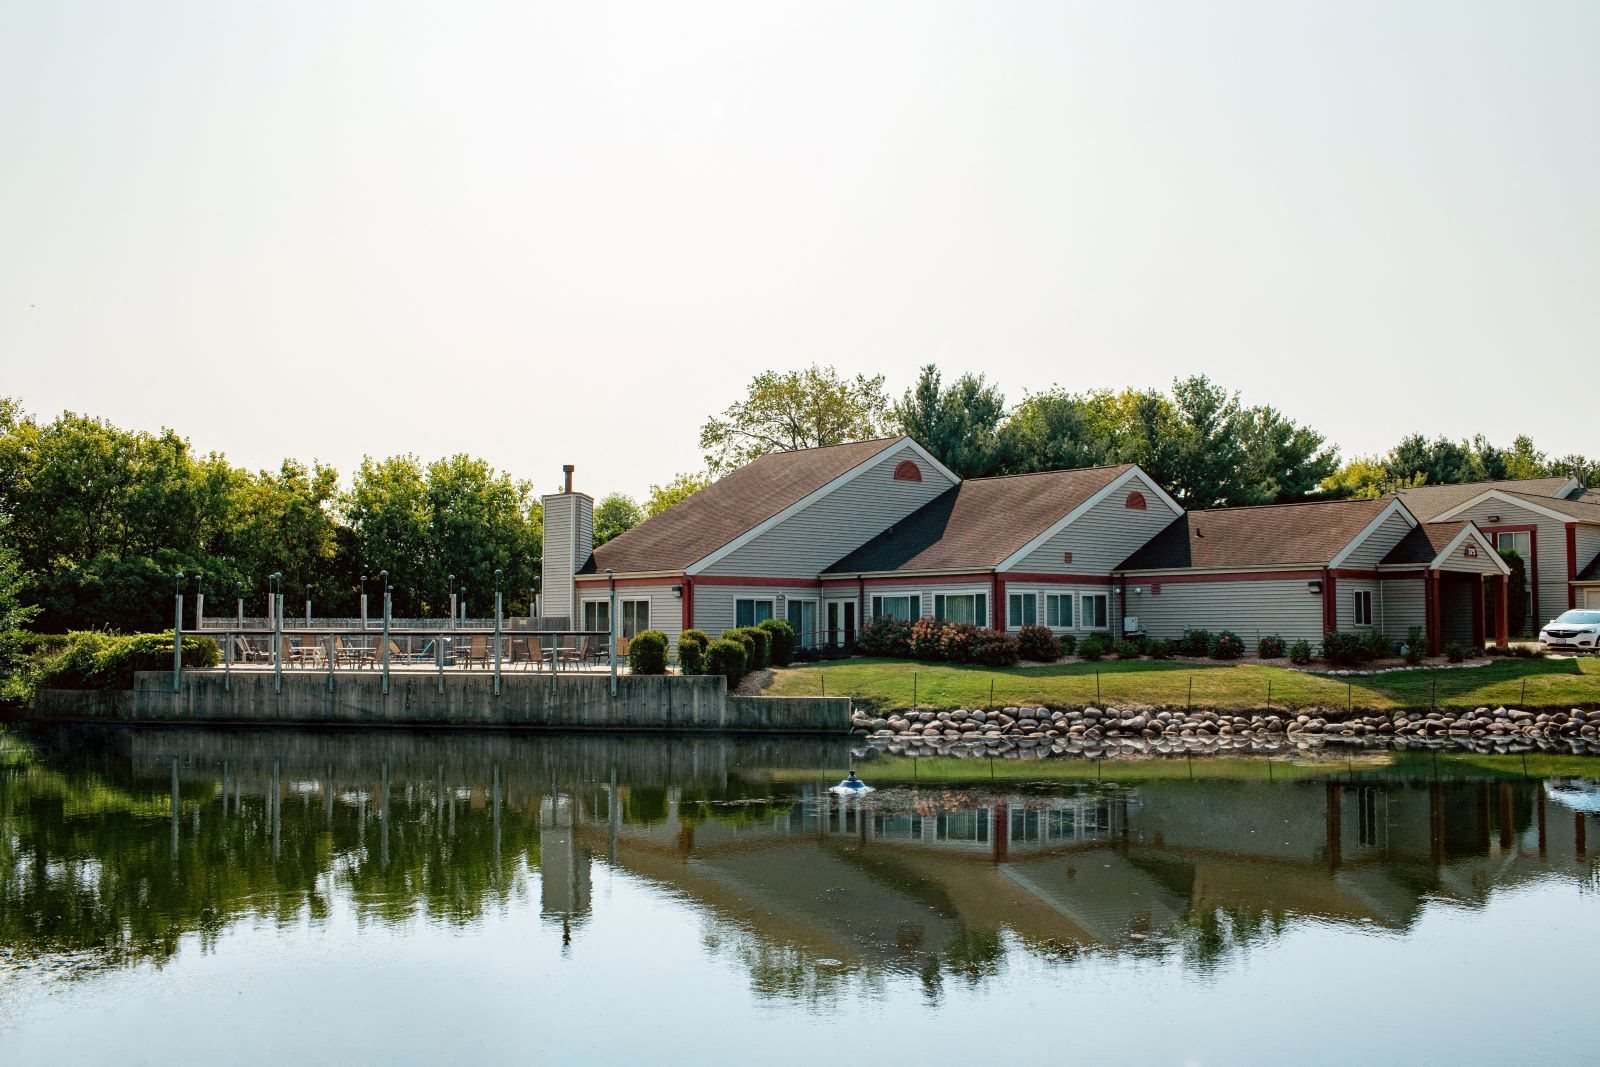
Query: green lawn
[{"x": 889, "y": 684}]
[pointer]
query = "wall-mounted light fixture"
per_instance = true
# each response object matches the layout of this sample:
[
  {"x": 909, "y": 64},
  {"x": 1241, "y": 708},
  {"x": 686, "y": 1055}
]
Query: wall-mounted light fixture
[
  {"x": 1494, "y": 518},
  {"x": 677, "y": 591},
  {"x": 1315, "y": 586}
]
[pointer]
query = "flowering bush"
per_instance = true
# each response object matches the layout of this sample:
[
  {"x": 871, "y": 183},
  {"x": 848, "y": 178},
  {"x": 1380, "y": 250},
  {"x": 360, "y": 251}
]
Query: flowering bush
[
  {"x": 1226, "y": 645},
  {"x": 992, "y": 648},
  {"x": 957, "y": 641},
  {"x": 1038, "y": 644},
  {"x": 1270, "y": 647},
  {"x": 884, "y": 636},
  {"x": 924, "y": 640}
]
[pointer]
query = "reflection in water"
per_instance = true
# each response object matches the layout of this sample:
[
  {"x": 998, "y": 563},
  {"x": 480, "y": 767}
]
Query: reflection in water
[{"x": 116, "y": 844}]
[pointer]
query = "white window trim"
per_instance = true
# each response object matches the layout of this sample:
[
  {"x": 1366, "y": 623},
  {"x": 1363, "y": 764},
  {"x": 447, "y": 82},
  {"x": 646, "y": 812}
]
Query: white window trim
[
  {"x": 877, "y": 594},
  {"x": 1080, "y": 624},
  {"x": 1038, "y": 603},
  {"x": 583, "y": 608},
  {"x": 622, "y": 610},
  {"x": 1070, "y": 597},
  {"x": 972, "y": 591},
  {"x": 1355, "y": 611},
  {"x": 771, "y": 601},
  {"x": 819, "y": 620}
]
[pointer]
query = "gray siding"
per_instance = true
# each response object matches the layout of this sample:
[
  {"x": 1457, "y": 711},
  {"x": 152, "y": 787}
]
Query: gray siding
[
  {"x": 666, "y": 610},
  {"x": 1370, "y": 551},
  {"x": 1551, "y": 552},
  {"x": 714, "y": 604},
  {"x": 1102, "y": 537},
  {"x": 926, "y": 591},
  {"x": 1252, "y": 610},
  {"x": 837, "y": 524},
  {"x": 1345, "y": 590},
  {"x": 1404, "y": 606},
  {"x": 1460, "y": 563}
]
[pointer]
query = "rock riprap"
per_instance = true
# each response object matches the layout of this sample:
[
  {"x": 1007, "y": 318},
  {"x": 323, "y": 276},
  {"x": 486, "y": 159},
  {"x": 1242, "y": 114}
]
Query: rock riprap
[{"x": 1132, "y": 729}]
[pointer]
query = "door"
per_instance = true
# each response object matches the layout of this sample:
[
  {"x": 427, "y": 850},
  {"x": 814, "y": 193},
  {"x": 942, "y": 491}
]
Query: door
[
  {"x": 803, "y": 617},
  {"x": 1593, "y": 595},
  {"x": 833, "y": 622}
]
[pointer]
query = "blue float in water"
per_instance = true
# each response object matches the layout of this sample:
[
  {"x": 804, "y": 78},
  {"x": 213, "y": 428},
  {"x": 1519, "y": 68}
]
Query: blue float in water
[{"x": 852, "y": 786}]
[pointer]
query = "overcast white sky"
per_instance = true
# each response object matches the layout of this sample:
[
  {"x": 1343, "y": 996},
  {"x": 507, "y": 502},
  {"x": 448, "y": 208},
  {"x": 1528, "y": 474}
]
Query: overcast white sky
[{"x": 568, "y": 232}]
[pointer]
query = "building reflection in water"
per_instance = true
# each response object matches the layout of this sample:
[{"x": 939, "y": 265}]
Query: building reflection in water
[{"x": 808, "y": 890}]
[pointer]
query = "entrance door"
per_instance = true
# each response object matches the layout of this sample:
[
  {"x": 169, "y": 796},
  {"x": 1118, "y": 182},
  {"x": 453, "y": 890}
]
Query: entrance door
[
  {"x": 841, "y": 623},
  {"x": 803, "y": 617}
]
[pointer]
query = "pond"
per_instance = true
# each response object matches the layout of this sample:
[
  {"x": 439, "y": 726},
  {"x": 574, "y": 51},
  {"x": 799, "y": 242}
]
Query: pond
[{"x": 174, "y": 895}]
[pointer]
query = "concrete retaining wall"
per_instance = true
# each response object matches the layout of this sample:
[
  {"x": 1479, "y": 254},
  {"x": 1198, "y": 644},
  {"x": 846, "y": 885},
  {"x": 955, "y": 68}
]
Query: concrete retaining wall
[{"x": 574, "y": 703}]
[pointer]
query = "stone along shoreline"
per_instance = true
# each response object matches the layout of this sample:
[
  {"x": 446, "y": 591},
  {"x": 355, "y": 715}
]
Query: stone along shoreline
[{"x": 1142, "y": 729}]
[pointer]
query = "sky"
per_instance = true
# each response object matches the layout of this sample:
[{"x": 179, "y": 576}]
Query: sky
[{"x": 548, "y": 233}]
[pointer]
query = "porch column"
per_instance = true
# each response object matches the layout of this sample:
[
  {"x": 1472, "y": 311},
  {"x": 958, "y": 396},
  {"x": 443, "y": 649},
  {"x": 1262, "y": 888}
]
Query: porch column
[
  {"x": 1477, "y": 612},
  {"x": 1330, "y": 602},
  {"x": 1502, "y": 613}
]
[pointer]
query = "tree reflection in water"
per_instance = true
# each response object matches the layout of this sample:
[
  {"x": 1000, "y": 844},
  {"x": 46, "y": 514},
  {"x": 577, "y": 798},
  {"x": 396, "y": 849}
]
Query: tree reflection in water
[{"x": 116, "y": 844}]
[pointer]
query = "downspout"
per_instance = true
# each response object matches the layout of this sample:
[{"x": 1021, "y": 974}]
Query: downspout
[{"x": 997, "y": 609}]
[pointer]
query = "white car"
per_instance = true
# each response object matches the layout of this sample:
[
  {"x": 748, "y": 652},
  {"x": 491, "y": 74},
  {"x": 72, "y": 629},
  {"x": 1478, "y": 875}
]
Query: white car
[{"x": 1574, "y": 631}]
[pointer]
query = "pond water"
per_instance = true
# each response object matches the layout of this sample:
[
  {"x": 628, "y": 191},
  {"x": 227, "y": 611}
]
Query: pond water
[{"x": 169, "y": 895}]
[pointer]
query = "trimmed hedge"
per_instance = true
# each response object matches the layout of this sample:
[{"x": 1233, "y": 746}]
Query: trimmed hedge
[
  {"x": 725, "y": 656},
  {"x": 760, "y": 652},
  {"x": 692, "y": 646},
  {"x": 884, "y": 636},
  {"x": 92, "y": 660},
  {"x": 647, "y": 653},
  {"x": 1069, "y": 645},
  {"x": 1300, "y": 653},
  {"x": 782, "y": 635},
  {"x": 1093, "y": 648},
  {"x": 1270, "y": 647},
  {"x": 1039, "y": 644},
  {"x": 993, "y": 648},
  {"x": 1195, "y": 643}
]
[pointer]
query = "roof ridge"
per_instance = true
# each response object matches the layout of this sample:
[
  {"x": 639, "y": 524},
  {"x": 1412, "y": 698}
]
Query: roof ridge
[
  {"x": 1036, "y": 474},
  {"x": 1285, "y": 504},
  {"x": 824, "y": 448}
]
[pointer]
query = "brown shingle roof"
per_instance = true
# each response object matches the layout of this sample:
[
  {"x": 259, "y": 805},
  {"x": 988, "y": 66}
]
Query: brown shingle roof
[
  {"x": 1591, "y": 573},
  {"x": 1271, "y": 536},
  {"x": 1582, "y": 510},
  {"x": 977, "y": 524},
  {"x": 1423, "y": 544},
  {"x": 1427, "y": 501},
  {"x": 694, "y": 528}
]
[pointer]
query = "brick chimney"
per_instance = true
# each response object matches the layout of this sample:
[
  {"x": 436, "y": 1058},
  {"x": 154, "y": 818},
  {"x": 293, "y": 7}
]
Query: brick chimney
[{"x": 568, "y": 543}]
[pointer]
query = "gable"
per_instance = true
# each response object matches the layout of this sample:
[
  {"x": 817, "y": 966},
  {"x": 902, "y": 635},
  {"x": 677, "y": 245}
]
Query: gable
[
  {"x": 1132, "y": 512},
  {"x": 1373, "y": 544},
  {"x": 836, "y": 519}
]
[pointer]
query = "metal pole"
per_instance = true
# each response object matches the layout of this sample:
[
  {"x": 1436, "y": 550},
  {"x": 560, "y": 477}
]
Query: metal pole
[
  {"x": 363, "y": 612},
  {"x": 612, "y": 612},
  {"x": 177, "y": 637},
  {"x": 497, "y": 643},
  {"x": 438, "y": 660},
  {"x": 227, "y": 662},
  {"x": 330, "y": 663},
  {"x": 386, "y": 605},
  {"x": 277, "y": 644},
  {"x": 199, "y": 611}
]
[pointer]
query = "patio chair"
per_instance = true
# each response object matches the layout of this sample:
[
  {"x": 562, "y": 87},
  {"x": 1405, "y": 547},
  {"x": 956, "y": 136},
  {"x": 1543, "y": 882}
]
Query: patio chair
[
  {"x": 571, "y": 655},
  {"x": 622, "y": 647},
  {"x": 245, "y": 652},
  {"x": 594, "y": 650},
  {"x": 478, "y": 650}
]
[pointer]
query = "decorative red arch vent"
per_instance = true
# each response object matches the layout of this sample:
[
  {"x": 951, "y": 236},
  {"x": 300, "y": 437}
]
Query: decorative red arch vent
[
  {"x": 907, "y": 471},
  {"x": 1135, "y": 501}
]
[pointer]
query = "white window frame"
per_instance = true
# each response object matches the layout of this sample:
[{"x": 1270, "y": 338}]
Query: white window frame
[
  {"x": 770, "y": 602},
  {"x": 980, "y": 604},
  {"x": 622, "y": 612},
  {"x": 818, "y": 623},
  {"x": 1021, "y": 618},
  {"x": 1357, "y": 598},
  {"x": 1071, "y": 602},
  {"x": 598, "y": 606},
  {"x": 1083, "y": 611},
  {"x": 875, "y": 601}
]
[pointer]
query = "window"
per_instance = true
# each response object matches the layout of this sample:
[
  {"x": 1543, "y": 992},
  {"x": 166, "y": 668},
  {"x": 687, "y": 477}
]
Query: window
[
  {"x": 635, "y": 616},
  {"x": 1023, "y": 609},
  {"x": 961, "y": 607},
  {"x": 904, "y": 608},
  {"x": 1363, "y": 607},
  {"x": 803, "y": 617},
  {"x": 1096, "y": 615},
  {"x": 749, "y": 612},
  {"x": 1058, "y": 610},
  {"x": 597, "y": 615}
]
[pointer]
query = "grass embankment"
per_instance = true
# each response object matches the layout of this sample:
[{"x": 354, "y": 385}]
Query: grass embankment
[
  {"x": 890, "y": 684},
  {"x": 975, "y": 771}
]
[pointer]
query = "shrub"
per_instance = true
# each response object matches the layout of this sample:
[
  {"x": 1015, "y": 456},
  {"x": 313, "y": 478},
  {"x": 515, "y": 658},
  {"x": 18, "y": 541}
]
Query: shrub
[
  {"x": 1195, "y": 643},
  {"x": 885, "y": 636},
  {"x": 1343, "y": 649},
  {"x": 1069, "y": 645},
  {"x": 692, "y": 651},
  {"x": 1226, "y": 645},
  {"x": 1128, "y": 648},
  {"x": 1092, "y": 648},
  {"x": 759, "y": 652},
  {"x": 1376, "y": 645},
  {"x": 1454, "y": 652},
  {"x": 1416, "y": 645},
  {"x": 92, "y": 660},
  {"x": 782, "y": 637},
  {"x": 1270, "y": 647},
  {"x": 958, "y": 642},
  {"x": 1038, "y": 644},
  {"x": 647, "y": 652},
  {"x": 994, "y": 648},
  {"x": 924, "y": 640},
  {"x": 1161, "y": 649},
  {"x": 726, "y": 657},
  {"x": 807, "y": 655},
  {"x": 1300, "y": 653}
]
